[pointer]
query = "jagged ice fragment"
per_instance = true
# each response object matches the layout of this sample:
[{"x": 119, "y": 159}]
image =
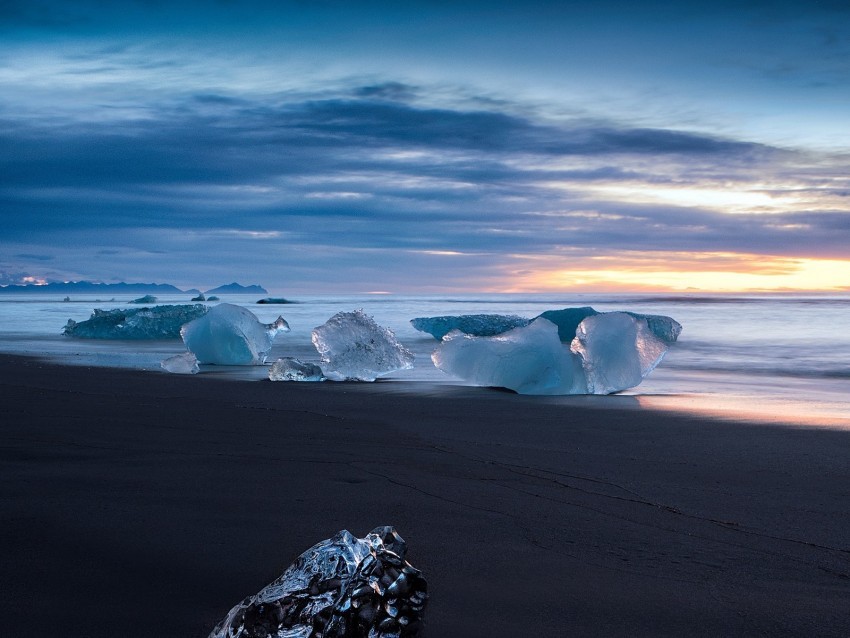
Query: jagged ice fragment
[
  {"x": 159, "y": 322},
  {"x": 342, "y": 587},
  {"x": 529, "y": 360},
  {"x": 231, "y": 335},
  {"x": 291, "y": 369},
  {"x": 353, "y": 347},
  {"x": 184, "y": 363}
]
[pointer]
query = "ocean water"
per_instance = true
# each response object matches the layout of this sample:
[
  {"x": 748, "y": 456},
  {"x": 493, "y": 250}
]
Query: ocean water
[{"x": 776, "y": 357}]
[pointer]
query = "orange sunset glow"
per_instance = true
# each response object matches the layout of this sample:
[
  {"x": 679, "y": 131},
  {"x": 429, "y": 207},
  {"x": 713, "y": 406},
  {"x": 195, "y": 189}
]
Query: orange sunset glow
[{"x": 684, "y": 272}]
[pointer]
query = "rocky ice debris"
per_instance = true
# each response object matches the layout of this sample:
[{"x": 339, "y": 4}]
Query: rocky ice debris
[
  {"x": 478, "y": 325},
  {"x": 231, "y": 335},
  {"x": 353, "y": 347},
  {"x": 184, "y": 363},
  {"x": 608, "y": 352},
  {"x": 158, "y": 322},
  {"x": 342, "y": 587},
  {"x": 291, "y": 369}
]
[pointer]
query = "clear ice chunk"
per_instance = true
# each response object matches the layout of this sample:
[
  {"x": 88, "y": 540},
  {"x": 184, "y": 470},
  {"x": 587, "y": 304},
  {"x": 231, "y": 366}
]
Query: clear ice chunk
[
  {"x": 353, "y": 347},
  {"x": 291, "y": 369},
  {"x": 184, "y": 363},
  {"x": 342, "y": 587},
  {"x": 159, "y": 322},
  {"x": 617, "y": 351},
  {"x": 231, "y": 335},
  {"x": 529, "y": 360},
  {"x": 476, "y": 325}
]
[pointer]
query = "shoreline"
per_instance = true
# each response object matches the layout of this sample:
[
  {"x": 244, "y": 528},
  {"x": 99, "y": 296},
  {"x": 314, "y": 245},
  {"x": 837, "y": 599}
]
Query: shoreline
[{"x": 140, "y": 504}]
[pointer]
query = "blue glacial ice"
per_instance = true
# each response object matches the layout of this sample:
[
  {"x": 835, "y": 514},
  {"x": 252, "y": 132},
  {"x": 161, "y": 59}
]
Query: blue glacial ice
[
  {"x": 292, "y": 369},
  {"x": 478, "y": 325},
  {"x": 529, "y": 360},
  {"x": 567, "y": 320},
  {"x": 617, "y": 351},
  {"x": 353, "y": 347},
  {"x": 608, "y": 352},
  {"x": 231, "y": 335},
  {"x": 158, "y": 322},
  {"x": 342, "y": 586}
]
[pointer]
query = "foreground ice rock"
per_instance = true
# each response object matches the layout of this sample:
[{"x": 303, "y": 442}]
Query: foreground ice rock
[
  {"x": 184, "y": 363},
  {"x": 291, "y": 369},
  {"x": 477, "y": 325},
  {"x": 343, "y": 587},
  {"x": 617, "y": 350},
  {"x": 159, "y": 322},
  {"x": 353, "y": 347},
  {"x": 231, "y": 335},
  {"x": 529, "y": 360}
]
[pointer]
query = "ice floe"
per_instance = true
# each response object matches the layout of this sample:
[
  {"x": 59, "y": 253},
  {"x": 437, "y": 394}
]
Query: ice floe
[
  {"x": 158, "y": 322},
  {"x": 528, "y": 359},
  {"x": 231, "y": 335},
  {"x": 569, "y": 351},
  {"x": 478, "y": 325}
]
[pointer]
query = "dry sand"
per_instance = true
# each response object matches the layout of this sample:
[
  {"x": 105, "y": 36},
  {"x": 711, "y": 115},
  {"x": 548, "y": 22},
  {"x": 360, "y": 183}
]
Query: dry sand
[{"x": 145, "y": 504}]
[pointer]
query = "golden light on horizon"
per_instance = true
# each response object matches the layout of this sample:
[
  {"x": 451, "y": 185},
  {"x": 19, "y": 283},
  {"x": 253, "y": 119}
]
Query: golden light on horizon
[{"x": 681, "y": 272}]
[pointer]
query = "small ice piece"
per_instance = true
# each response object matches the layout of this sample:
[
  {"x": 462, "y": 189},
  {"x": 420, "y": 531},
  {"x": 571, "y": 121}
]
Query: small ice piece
[
  {"x": 184, "y": 363},
  {"x": 231, "y": 335},
  {"x": 159, "y": 322},
  {"x": 342, "y": 586},
  {"x": 145, "y": 300},
  {"x": 355, "y": 348},
  {"x": 617, "y": 351},
  {"x": 476, "y": 325},
  {"x": 528, "y": 359},
  {"x": 567, "y": 320},
  {"x": 291, "y": 369}
]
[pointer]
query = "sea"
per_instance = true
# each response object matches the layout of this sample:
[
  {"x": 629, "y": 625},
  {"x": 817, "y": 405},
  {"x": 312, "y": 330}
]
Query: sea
[{"x": 780, "y": 358}]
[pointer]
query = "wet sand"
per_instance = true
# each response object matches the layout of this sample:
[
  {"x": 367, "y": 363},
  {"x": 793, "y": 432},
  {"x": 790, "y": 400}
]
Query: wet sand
[{"x": 146, "y": 504}]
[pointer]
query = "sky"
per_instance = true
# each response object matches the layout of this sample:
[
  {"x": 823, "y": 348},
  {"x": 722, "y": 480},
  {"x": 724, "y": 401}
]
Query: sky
[{"x": 427, "y": 147}]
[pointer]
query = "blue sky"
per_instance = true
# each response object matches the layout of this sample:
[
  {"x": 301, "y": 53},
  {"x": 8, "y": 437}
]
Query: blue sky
[{"x": 427, "y": 146}]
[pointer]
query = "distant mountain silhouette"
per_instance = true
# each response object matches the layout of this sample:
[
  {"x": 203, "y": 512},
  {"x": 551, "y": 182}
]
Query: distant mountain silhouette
[
  {"x": 237, "y": 289},
  {"x": 91, "y": 288}
]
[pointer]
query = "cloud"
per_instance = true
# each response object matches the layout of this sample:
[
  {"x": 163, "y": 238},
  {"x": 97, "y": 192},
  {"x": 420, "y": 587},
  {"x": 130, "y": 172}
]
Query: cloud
[{"x": 379, "y": 183}]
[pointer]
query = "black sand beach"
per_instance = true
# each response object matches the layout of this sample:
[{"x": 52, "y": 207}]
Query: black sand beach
[{"x": 145, "y": 505}]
